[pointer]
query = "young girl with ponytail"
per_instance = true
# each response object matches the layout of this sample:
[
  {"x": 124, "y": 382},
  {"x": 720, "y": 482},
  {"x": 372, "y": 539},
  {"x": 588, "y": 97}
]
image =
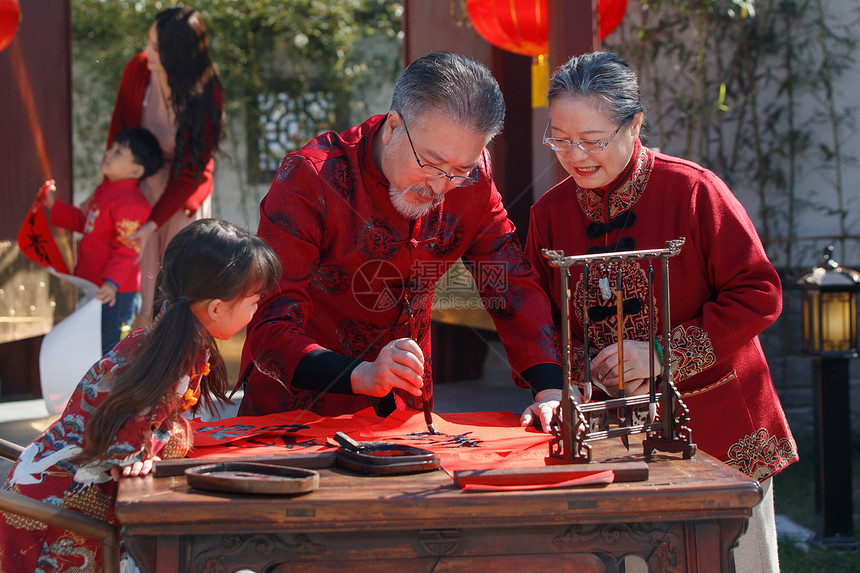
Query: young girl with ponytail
[{"x": 127, "y": 412}]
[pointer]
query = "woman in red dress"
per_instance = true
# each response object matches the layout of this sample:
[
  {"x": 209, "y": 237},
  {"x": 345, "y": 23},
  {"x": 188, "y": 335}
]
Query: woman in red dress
[
  {"x": 622, "y": 196},
  {"x": 173, "y": 89}
]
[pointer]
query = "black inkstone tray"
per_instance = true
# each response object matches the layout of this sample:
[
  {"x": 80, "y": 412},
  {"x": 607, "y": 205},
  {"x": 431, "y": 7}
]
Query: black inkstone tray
[{"x": 383, "y": 458}]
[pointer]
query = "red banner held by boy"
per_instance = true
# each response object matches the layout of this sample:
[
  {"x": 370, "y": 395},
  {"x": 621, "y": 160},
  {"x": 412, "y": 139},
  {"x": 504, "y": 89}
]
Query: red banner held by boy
[{"x": 35, "y": 238}]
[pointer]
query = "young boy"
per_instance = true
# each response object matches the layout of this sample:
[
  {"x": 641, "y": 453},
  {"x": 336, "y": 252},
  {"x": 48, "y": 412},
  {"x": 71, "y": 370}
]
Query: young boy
[{"x": 106, "y": 255}]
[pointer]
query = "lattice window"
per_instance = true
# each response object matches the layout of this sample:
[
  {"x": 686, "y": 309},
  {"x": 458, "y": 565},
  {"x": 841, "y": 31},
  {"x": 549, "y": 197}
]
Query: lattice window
[{"x": 287, "y": 122}]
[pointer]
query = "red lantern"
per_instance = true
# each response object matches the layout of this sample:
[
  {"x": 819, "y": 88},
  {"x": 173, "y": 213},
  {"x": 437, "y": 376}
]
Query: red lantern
[
  {"x": 521, "y": 27},
  {"x": 518, "y": 26},
  {"x": 10, "y": 17},
  {"x": 610, "y": 12}
]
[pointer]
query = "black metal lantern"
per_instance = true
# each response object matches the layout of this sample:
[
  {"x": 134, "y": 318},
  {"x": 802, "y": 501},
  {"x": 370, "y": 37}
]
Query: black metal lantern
[{"x": 829, "y": 295}]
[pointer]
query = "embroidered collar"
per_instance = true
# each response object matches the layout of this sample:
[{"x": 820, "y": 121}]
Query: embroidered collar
[{"x": 603, "y": 204}]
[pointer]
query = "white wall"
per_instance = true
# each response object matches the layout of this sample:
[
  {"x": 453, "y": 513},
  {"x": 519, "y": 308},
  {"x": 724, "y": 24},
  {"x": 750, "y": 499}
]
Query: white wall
[{"x": 815, "y": 198}]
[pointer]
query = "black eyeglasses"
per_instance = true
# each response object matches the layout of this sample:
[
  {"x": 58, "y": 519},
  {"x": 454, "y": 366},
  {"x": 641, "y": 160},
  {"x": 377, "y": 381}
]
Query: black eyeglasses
[{"x": 433, "y": 171}]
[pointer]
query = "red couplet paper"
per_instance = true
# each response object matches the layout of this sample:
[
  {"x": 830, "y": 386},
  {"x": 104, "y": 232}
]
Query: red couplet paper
[
  {"x": 603, "y": 477},
  {"x": 474, "y": 440},
  {"x": 36, "y": 240}
]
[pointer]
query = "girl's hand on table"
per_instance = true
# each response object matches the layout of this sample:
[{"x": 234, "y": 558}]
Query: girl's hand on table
[{"x": 140, "y": 468}]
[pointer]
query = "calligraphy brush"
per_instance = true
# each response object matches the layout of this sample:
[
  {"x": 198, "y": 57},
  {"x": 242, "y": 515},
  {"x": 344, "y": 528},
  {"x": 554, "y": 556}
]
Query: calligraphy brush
[
  {"x": 619, "y": 328},
  {"x": 586, "y": 339},
  {"x": 652, "y": 381},
  {"x": 413, "y": 334}
]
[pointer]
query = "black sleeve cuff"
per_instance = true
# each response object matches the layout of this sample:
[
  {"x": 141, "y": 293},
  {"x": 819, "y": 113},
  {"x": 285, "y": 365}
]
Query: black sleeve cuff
[
  {"x": 543, "y": 377},
  {"x": 325, "y": 371}
]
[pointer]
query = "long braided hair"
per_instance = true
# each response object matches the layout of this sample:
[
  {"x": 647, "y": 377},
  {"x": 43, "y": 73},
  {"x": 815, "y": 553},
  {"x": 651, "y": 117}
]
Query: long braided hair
[{"x": 209, "y": 259}]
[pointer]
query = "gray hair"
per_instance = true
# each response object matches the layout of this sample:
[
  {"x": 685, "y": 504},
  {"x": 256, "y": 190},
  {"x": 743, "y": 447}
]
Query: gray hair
[
  {"x": 461, "y": 88},
  {"x": 603, "y": 75}
]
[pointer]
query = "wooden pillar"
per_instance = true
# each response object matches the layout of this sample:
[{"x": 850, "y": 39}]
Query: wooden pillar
[
  {"x": 36, "y": 144},
  {"x": 35, "y": 109},
  {"x": 573, "y": 31},
  {"x": 512, "y": 149}
]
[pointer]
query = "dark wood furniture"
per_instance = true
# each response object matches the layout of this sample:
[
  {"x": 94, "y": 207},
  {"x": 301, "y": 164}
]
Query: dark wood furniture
[{"x": 686, "y": 517}]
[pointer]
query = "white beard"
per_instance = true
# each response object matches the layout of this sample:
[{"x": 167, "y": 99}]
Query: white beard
[{"x": 409, "y": 209}]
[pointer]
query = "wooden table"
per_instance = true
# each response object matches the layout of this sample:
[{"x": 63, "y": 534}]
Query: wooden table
[{"x": 686, "y": 517}]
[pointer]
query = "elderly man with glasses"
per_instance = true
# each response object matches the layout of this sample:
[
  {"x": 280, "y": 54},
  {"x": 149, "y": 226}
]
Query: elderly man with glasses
[{"x": 366, "y": 222}]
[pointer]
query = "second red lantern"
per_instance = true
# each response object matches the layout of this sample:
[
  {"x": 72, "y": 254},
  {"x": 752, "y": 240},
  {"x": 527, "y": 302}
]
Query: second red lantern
[{"x": 521, "y": 26}]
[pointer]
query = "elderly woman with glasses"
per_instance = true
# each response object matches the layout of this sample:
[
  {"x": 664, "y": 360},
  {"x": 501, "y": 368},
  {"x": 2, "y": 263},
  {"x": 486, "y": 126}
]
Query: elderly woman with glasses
[{"x": 622, "y": 196}]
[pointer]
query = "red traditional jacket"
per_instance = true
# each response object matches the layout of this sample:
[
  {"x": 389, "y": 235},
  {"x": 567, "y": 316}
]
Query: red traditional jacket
[
  {"x": 116, "y": 210},
  {"x": 43, "y": 471},
  {"x": 723, "y": 293},
  {"x": 185, "y": 189},
  {"x": 351, "y": 262}
]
